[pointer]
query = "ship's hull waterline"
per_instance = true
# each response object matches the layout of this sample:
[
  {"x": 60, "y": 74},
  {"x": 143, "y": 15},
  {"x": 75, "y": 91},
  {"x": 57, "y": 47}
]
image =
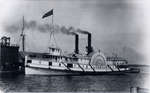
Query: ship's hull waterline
[{"x": 48, "y": 71}]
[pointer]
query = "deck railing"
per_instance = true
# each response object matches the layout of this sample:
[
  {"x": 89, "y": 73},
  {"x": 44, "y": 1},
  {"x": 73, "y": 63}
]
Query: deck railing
[{"x": 139, "y": 90}]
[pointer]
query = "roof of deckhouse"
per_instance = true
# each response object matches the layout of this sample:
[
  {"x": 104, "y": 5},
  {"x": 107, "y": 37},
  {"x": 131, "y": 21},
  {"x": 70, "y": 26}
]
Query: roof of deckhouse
[
  {"x": 47, "y": 55},
  {"x": 115, "y": 59}
]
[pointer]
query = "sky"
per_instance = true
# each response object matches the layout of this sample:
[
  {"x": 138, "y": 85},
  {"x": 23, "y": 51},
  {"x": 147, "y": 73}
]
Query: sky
[{"x": 117, "y": 26}]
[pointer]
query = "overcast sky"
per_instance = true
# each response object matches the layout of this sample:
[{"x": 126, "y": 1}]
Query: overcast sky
[{"x": 119, "y": 26}]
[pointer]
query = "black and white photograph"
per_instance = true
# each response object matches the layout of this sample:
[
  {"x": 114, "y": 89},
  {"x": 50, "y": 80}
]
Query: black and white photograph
[{"x": 74, "y": 46}]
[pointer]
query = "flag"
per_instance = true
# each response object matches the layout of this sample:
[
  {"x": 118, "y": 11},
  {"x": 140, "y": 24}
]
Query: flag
[{"x": 48, "y": 14}]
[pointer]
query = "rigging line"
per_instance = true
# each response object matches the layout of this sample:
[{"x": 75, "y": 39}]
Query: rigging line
[
  {"x": 51, "y": 31},
  {"x": 54, "y": 37},
  {"x": 55, "y": 40},
  {"x": 50, "y": 37},
  {"x": 56, "y": 43}
]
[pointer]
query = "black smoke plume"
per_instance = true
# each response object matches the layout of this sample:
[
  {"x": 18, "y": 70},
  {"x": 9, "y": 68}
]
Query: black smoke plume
[
  {"x": 33, "y": 25},
  {"x": 83, "y": 31},
  {"x": 69, "y": 31}
]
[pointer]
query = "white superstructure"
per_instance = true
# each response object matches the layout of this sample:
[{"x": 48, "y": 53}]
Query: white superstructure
[{"x": 54, "y": 60}]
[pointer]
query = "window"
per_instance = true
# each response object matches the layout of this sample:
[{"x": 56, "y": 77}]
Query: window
[
  {"x": 60, "y": 64},
  {"x": 29, "y": 61},
  {"x": 50, "y": 63},
  {"x": 69, "y": 65},
  {"x": 46, "y": 56},
  {"x": 86, "y": 66},
  {"x": 75, "y": 65},
  {"x": 32, "y": 55}
]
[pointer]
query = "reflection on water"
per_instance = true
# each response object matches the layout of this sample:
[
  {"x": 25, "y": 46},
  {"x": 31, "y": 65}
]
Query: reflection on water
[{"x": 46, "y": 83}]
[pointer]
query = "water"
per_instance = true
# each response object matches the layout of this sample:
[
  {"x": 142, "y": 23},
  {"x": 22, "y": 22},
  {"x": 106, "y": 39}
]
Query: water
[{"x": 46, "y": 83}]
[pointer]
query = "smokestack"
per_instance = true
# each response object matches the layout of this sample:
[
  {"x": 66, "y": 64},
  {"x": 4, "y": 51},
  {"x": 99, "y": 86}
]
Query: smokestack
[
  {"x": 89, "y": 47},
  {"x": 89, "y": 40},
  {"x": 76, "y": 44}
]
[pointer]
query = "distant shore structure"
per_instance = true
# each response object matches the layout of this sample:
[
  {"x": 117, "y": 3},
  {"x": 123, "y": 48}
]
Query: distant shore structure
[{"x": 9, "y": 57}]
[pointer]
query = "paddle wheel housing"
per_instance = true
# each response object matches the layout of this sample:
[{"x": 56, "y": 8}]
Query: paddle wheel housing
[{"x": 98, "y": 60}]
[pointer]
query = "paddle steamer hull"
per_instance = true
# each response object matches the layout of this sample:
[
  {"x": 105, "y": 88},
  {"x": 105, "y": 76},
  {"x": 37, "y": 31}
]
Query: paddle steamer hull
[{"x": 57, "y": 72}]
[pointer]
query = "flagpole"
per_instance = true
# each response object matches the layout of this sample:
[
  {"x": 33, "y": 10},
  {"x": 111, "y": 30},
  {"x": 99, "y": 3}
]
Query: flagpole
[
  {"x": 51, "y": 32},
  {"x": 52, "y": 25},
  {"x": 53, "y": 28},
  {"x": 46, "y": 15},
  {"x": 52, "y": 19}
]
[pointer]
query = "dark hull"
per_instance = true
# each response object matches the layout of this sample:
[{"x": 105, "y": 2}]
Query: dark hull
[{"x": 45, "y": 71}]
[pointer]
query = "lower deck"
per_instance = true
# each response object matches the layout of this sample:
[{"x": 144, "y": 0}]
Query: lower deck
[
  {"x": 47, "y": 71},
  {"x": 73, "y": 67}
]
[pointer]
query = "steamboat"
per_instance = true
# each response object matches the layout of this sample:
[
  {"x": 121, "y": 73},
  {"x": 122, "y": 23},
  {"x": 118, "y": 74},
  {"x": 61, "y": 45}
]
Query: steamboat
[{"x": 57, "y": 63}]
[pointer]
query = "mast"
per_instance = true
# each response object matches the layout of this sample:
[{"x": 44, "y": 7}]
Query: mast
[{"x": 23, "y": 35}]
